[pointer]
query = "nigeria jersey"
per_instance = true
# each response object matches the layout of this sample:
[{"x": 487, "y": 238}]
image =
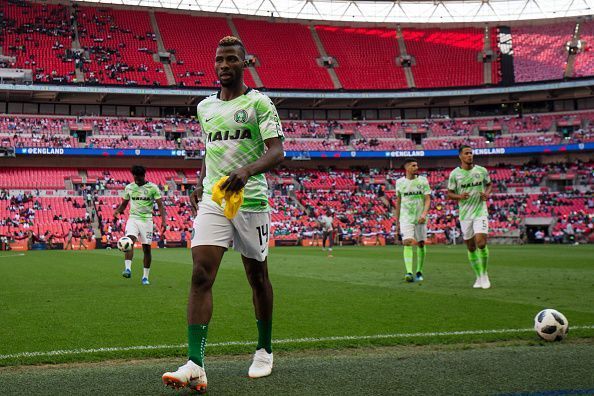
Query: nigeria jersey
[
  {"x": 234, "y": 132},
  {"x": 326, "y": 222},
  {"x": 473, "y": 182},
  {"x": 141, "y": 200},
  {"x": 412, "y": 198}
]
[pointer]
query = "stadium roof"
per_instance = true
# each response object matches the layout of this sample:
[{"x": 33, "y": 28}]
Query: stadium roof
[{"x": 397, "y": 11}]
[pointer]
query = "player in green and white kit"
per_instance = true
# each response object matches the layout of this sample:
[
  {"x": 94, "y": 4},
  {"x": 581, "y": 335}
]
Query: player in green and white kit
[
  {"x": 243, "y": 138},
  {"x": 141, "y": 194},
  {"x": 413, "y": 198},
  {"x": 470, "y": 185}
]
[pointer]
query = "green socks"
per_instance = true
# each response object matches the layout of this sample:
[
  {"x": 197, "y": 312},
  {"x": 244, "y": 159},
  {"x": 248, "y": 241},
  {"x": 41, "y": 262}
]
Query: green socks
[
  {"x": 197, "y": 342},
  {"x": 474, "y": 262},
  {"x": 483, "y": 255},
  {"x": 421, "y": 251},
  {"x": 408, "y": 259},
  {"x": 264, "y": 335}
]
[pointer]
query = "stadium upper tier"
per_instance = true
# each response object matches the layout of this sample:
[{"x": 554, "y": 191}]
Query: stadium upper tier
[
  {"x": 178, "y": 133},
  {"x": 113, "y": 46}
]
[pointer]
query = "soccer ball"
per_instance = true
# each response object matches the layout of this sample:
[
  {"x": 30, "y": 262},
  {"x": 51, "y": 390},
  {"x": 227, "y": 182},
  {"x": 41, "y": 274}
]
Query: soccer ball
[
  {"x": 551, "y": 325},
  {"x": 125, "y": 244}
]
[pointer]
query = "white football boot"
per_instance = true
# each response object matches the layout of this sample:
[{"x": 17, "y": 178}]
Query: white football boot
[
  {"x": 189, "y": 375},
  {"x": 485, "y": 282},
  {"x": 262, "y": 364},
  {"x": 478, "y": 284}
]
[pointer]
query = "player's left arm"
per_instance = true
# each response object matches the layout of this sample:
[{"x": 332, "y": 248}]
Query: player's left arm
[
  {"x": 163, "y": 213},
  {"x": 156, "y": 193},
  {"x": 272, "y": 134},
  {"x": 427, "y": 191},
  {"x": 488, "y": 187}
]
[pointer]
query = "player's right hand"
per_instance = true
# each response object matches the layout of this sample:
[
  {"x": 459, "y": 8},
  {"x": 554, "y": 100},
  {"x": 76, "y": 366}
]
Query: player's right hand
[
  {"x": 464, "y": 195},
  {"x": 196, "y": 197}
]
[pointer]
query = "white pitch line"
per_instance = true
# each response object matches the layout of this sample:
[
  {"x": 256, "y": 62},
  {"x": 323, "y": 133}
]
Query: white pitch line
[
  {"x": 13, "y": 255},
  {"x": 312, "y": 340}
]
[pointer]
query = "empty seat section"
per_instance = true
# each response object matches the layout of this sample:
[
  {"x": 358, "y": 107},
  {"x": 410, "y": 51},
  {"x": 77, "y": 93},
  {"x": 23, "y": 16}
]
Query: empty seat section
[
  {"x": 194, "y": 41},
  {"x": 445, "y": 58},
  {"x": 584, "y": 61},
  {"x": 284, "y": 65},
  {"x": 35, "y": 178},
  {"x": 539, "y": 51},
  {"x": 366, "y": 57}
]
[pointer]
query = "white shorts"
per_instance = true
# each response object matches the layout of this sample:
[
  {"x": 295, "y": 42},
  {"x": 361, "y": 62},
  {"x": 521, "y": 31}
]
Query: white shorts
[
  {"x": 418, "y": 232},
  {"x": 476, "y": 226},
  {"x": 248, "y": 231},
  {"x": 142, "y": 230}
]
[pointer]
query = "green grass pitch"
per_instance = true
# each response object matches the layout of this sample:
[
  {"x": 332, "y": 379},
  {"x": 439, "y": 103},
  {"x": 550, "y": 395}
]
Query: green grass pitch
[{"x": 69, "y": 307}]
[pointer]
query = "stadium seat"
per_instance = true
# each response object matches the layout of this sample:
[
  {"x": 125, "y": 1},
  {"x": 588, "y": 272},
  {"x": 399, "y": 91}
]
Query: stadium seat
[
  {"x": 445, "y": 57},
  {"x": 280, "y": 65},
  {"x": 539, "y": 51},
  {"x": 356, "y": 69}
]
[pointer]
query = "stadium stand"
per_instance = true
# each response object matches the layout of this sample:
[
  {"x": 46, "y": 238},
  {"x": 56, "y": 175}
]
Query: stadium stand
[
  {"x": 194, "y": 59},
  {"x": 178, "y": 218},
  {"x": 584, "y": 60},
  {"x": 39, "y": 36},
  {"x": 496, "y": 64},
  {"x": 445, "y": 57},
  {"x": 35, "y": 178},
  {"x": 35, "y": 140},
  {"x": 356, "y": 69},
  {"x": 315, "y": 144},
  {"x": 114, "y": 178},
  {"x": 362, "y": 201},
  {"x": 382, "y": 130},
  {"x": 439, "y": 133},
  {"x": 383, "y": 144},
  {"x": 453, "y": 143},
  {"x": 539, "y": 51},
  {"x": 121, "y": 45},
  {"x": 44, "y": 219},
  {"x": 192, "y": 144},
  {"x": 130, "y": 143},
  {"x": 297, "y": 61},
  {"x": 40, "y": 125}
]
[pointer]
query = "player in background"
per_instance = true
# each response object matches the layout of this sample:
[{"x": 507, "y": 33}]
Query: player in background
[
  {"x": 413, "y": 198},
  {"x": 139, "y": 226},
  {"x": 470, "y": 185},
  {"x": 243, "y": 137},
  {"x": 327, "y": 231},
  {"x": 69, "y": 240}
]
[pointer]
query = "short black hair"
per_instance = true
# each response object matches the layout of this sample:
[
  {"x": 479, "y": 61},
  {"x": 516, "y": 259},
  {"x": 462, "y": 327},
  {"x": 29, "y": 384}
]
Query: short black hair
[
  {"x": 464, "y": 146},
  {"x": 408, "y": 161},
  {"x": 232, "y": 41},
  {"x": 138, "y": 170}
]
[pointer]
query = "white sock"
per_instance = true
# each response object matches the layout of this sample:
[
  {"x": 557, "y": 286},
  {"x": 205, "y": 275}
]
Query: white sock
[
  {"x": 146, "y": 272},
  {"x": 128, "y": 264}
]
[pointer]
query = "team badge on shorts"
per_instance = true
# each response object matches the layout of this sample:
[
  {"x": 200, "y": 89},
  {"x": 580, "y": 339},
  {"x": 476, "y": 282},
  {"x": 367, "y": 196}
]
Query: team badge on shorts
[{"x": 241, "y": 116}]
